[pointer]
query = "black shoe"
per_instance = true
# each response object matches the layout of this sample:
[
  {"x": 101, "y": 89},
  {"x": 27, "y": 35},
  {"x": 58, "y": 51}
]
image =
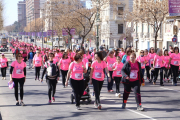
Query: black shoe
[
  {"x": 150, "y": 80},
  {"x": 140, "y": 108},
  {"x": 123, "y": 105},
  {"x": 161, "y": 84},
  {"x": 17, "y": 103}
]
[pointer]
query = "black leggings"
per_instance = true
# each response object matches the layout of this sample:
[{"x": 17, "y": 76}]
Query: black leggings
[
  {"x": 51, "y": 87},
  {"x": 175, "y": 70},
  {"x": 147, "y": 72},
  {"x": 21, "y": 83},
  {"x": 3, "y": 72},
  {"x": 37, "y": 72},
  {"x": 64, "y": 74},
  {"x": 78, "y": 89},
  {"x": 110, "y": 84},
  {"x": 161, "y": 74},
  {"x": 97, "y": 89},
  {"x": 166, "y": 73},
  {"x": 127, "y": 90},
  {"x": 117, "y": 81},
  {"x": 152, "y": 72}
]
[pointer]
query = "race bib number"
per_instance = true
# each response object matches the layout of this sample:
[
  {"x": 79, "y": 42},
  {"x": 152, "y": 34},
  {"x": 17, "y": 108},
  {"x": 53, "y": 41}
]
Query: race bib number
[
  {"x": 133, "y": 74},
  {"x": 78, "y": 75},
  {"x": 3, "y": 64},
  {"x": 19, "y": 71},
  {"x": 37, "y": 62},
  {"x": 157, "y": 66},
  {"x": 152, "y": 59},
  {"x": 98, "y": 74},
  {"x": 142, "y": 64},
  {"x": 176, "y": 62},
  {"x": 118, "y": 72},
  {"x": 110, "y": 65}
]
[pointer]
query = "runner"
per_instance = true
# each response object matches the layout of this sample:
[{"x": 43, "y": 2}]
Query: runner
[
  {"x": 122, "y": 53},
  {"x": 174, "y": 61},
  {"x": 24, "y": 54},
  {"x": 147, "y": 64},
  {"x": 158, "y": 65},
  {"x": 132, "y": 78},
  {"x": 97, "y": 77},
  {"x": 30, "y": 57},
  {"x": 117, "y": 66},
  {"x": 110, "y": 59},
  {"x": 166, "y": 61},
  {"x": 52, "y": 76},
  {"x": 75, "y": 73},
  {"x": 45, "y": 57},
  {"x": 4, "y": 65},
  {"x": 126, "y": 57},
  {"x": 18, "y": 75},
  {"x": 92, "y": 54},
  {"x": 151, "y": 57},
  {"x": 141, "y": 59},
  {"x": 37, "y": 63},
  {"x": 64, "y": 66}
]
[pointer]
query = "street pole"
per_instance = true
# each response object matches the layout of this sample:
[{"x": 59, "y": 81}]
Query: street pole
[
  {"x": 52, "y": 27},
  {"x": 97, "y": 32},
  {"x": 42, "y": 31}
]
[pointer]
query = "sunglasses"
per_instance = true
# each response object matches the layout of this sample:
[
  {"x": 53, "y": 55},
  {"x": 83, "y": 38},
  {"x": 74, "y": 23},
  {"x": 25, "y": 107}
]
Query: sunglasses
[
  {"x": 152, "y": 49},
  {"x": 142, "y": 52},
  {"x": 19, "y": 56}
]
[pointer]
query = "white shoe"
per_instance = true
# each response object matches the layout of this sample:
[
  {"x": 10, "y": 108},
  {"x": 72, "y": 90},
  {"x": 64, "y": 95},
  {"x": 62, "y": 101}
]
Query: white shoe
[
  {"x": 118, "y": 94},
  {"x": 4, "y": 78}
]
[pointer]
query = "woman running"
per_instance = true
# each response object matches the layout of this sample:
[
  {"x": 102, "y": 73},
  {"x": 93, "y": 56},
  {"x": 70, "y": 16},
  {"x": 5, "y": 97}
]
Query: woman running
[
  {"x": 174, "y": 61},
  {"x": 166, "y": 61},
  {"x": 92, "y": 54},
  {"x": 52, "y": 76},
  {"x": 117, "y": 66},
  {"x": 24, "y": 55},
  {"x": 75, "y": 73},
  {"x": 37, "y": 63},
  {"x": 64, "y": 66},
  {"x": 126, "y": 57},
  {"x": 141, "y": 59},
  {"x": 151, "y": 57},
  {"x": 18, "y": 75},
  {"x": 122, "y": 53},
  {"x": 158, "y": 66},
  {"x": 110, "y": 59},
  {"x": 147, "y": 64},
  {"x": 4, "y": 65},
  {"x": 132, "y": 78},
  {"x": 97, "y": 77}
]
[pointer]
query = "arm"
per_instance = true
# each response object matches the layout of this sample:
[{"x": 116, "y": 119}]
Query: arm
[
  {"x": 109, "y": 77},
  {"x": 44, "y": 71},
  {"x": 169, "y": 62},
  {"x": 7, "y": 64},
  {"x": 11, "y": 70},
  {"x": 123, "y": 71},
  {"x": 58, "y": 73},
  {"x": 25, "y": 73},
  {"x": 154, "y": 62},
  {"x": 68, "y": 76}
]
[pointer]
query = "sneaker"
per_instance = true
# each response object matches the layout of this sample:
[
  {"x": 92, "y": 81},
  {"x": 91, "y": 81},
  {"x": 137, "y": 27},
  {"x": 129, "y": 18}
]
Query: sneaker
[
  {"x": 172, "y": 83},
  {"x": 161, "y": 84},
  {"x": 154, "y": 83},
  {"x": 49, "y": 102},
  {"x": 111, "y": 90},
  {"x": 99, "y": 106},
  {"x": 93, "y": 94},
  {"x": 35, "y": 79},
  {"x": 78, "y": 108},
  {"x": 17, "y": 103},
  {"x": 95, "y": 105},
  {"x": 2, "y": 78},
  {"x": 116, "y": 94},
  {"x": 175, "y": 84},
  {"x": 53, "y": 99},
  {"x": 150, "y": 80},
  {"x": 140, "y": 108},
  {"x": 168, "y": 80},
  {"x": 164, "y": 80},
  {"x": 119, "y": 95},
  {"x": 22, "y": 104},
  {"x": 123, "y": 105}
]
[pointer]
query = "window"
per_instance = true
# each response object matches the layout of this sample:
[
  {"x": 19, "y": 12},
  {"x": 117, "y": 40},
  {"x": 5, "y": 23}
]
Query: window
[
  {"x": 120, "y": 10},
  {"x": 120, "y": 28}
]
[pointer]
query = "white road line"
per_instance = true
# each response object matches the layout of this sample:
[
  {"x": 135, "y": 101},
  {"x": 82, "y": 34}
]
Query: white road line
[
  {"x": 169, "y": 89},
  {"x": 141, "y": 114}
]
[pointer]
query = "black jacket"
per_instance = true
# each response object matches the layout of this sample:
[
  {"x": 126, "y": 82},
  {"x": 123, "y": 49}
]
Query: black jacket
[
  {"x": 29, "y": 54},
  {"x": 126, "y": 73}
]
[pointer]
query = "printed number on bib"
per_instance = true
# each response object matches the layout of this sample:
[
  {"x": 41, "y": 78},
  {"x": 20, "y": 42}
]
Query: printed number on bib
[
  {"x": 78, "y": 75},
  {"x": 176, "y": 62},
  {"x": 110, "y": 65},
  {"x": 157, "y": 66},
  {"x": 118, "y": 72},
  {"x": 152, "y": 59},
  {"x": 133, "y": 74},
  {"x": 37, "y": 62},
  {"x": 98, "y": 74},
  {"x": 19, "y": 71},
  {"x": 3, "y": 64}
]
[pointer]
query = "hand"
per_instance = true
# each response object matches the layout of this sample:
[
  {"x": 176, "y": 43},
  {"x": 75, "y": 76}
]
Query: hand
[
  {"x": 66, "y": 84},
  {"x": 41, "y": 80},
  {"x": 11, "y": 80},
  {"x": 58, "y": 79},
  {"x": 42, "y": 67},
  {"x": 152, "y": 68},
  {"x": 115, "y": 69},
  {"x": 127, "y": 78},
  {"x": 33, "y": 67},
  {"x": 109, "y": 79}
]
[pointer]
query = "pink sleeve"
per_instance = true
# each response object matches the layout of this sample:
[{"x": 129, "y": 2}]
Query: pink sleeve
[
  {"x": 104, "y": 64},
  {"x": 155, "y": 57},
  {"x": 13, "y": 63},
  {"x": 107, "y": 59},
  {"x": 93, "y": 64},
  {"x": 24, "y": 64},
  {"x": 172, "y": 55},
  {"x": 137, "y": 58},
  {"x": 71, "y": 66},
  {"x": 60, "y": 61},
  {"x": 114, "y": 65}
]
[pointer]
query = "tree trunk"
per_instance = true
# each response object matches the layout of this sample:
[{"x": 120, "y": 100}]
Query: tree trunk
[
  {"x": 155, "y": 41},
  {"x": 58, "y": 42},
  {"x": 82, "y": 42},
  {"x": 70, "y": 42}
]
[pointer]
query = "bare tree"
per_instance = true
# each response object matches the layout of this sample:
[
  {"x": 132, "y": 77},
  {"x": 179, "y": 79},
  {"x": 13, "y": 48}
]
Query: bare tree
[{"x": 1, "y": 15}]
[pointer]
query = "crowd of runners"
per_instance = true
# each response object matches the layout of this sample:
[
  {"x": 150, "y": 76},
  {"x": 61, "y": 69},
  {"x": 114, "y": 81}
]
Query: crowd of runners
[{"x": 119, "y": 66}]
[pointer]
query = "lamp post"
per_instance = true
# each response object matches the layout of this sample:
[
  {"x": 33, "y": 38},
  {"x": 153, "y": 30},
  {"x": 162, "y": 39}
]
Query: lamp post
[{"x": 97, "y": 24}]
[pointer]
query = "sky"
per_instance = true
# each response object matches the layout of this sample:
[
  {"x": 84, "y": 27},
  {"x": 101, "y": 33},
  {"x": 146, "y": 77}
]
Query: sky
[{"x": 10, "y": 11}]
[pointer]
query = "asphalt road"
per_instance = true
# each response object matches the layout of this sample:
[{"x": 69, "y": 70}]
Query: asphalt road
[{"x": 160, "y": 103}]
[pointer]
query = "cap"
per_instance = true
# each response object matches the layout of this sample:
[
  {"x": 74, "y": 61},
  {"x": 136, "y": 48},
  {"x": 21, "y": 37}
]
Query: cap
[{"x": 2, "y": 54}]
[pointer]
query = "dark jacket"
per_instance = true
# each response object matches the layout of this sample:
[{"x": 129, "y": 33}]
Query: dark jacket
[
  {"x": 126, "y": 73},
  {"x": 29, "y": 54}
]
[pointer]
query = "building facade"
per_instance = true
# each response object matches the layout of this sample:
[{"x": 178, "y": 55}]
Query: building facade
[
  {"x": 32, "y": 10},
  {"x": 22, "y": 13}
]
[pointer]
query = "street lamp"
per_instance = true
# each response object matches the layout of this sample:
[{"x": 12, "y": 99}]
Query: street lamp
[{"x": 97, "y": 24}]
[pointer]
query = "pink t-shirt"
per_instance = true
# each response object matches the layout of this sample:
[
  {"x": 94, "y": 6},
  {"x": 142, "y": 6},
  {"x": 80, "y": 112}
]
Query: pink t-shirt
[
  {"x": 64, "y": 64},
  {"x": 110, "y": 62},
  {"x": 151, "y": 57},
  {"x": 166, "y": 61},
  {"x": 18, "y": 71},
  {"x": 134, "y": 72},
  {"x": 92, "y": 55},
  {"x": 87, "y": 56},
  {"x": 55, "y": 60},
  {"x": 159, "y": 61},
  {"x": 98, "y": 73},
  {"x": 73, "y": 54},
  {"x": 121, "y": 54},
  {"x": 37, "y": 61},
  {"x": 3, "y": 62},
  {"x": 147, "y": 60},
  {"x": 141, "y": 60},
  {"x": 58, "y": 55},
  {"x": 169, "y": 53},
  {"x": 77, "y": 70},
  {"x": 127, "y": 58},
  {"x": 175, "y": 59},
  {"x": 117, "y": 73}
]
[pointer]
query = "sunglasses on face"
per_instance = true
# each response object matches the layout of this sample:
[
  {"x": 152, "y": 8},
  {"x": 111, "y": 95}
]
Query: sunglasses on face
[
  {"x": 142, "y": 52},
  {"x": 19, "y": 56},
  {"x": 152, "y": 49}
]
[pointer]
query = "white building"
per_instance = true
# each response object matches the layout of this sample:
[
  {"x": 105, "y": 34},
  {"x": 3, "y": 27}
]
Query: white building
[{"x": 113, "y": 26}]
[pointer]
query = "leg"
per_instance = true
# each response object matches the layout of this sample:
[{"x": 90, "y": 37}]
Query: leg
[
  {"x": 49, "y": 83},
  {"x": 5, "y": 71},
  {"x": 80, "y": 89},
  {"x": 16, "y": 88},
  {"x": 161, "y": 76},
  {"x": 137, "y": 92},
  {"x": 117, "y": 81},
  {"x": 111, "y": 83},
  {"x": 127, "y": 90},
  {"x": 74, "y": 85},
  {"x": 21, "y": 82},
  {"x": 165, "y": 73},
  {"x": 156, "y": 74},
  {"x": 35, "y": 72},
  {"x": 38, "y": 74},
  {"x": 64, "y": 74},
  {"x": 54, "y": 83},
  {"x": 147, "y": 72},
  {"x": 142, "y": 70},
  {"x": 152, "y": 73},
  {"x": 2, "y": 72},
  {"x": 96, "y": 90},
  {"x": 100, "y": 87}
]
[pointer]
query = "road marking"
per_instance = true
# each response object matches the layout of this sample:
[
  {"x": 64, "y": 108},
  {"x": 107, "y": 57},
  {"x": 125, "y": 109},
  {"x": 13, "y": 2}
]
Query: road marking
[
  {"x": 141, "y": 114},
  {"x": 169, "y": 89}
]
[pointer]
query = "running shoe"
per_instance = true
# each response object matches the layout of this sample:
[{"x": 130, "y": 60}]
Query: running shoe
[
  {"x": 150, "y": 80},
  {"x": 164, "y": 80},
  {"x": 78, "y": 108},
  {"x": 22, "y": 104},
  {"x": 17, "y": 103},
  {"x": 118, "y": 95},
  {"x": 124, "y": 106},
  {"x": 99, "y": 106},
  {"x": 154, "y": 83},
  {"x": 49, "y": 102},
  {"x": 140, "y": 108},
  {"x": 172, "y": 83},
  {"x": 35, "y": 79},
  {"x": 2, "y": 78},
  {"x": 93, "y": 94},
  {"x": 175, "y": 84},
  {"x": 95, "y": 105},
  {"x": 53, "y": 98},
  {"x": 161, "y": 84},
  {"x": 168, "y": 80},
  {"x": 111, "y": 90}
]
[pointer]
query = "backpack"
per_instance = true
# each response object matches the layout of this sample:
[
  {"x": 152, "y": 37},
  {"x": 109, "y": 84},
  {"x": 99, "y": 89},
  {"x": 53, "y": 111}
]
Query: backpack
[{"x": 52, "y": 70}]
